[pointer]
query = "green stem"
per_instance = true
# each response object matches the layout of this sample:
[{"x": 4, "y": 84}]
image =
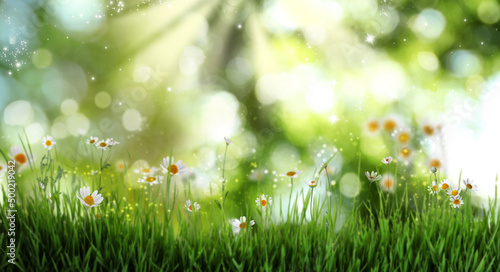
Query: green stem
[
  {"x": 85, "y": 220},
  {"x": 290, "y": 198}
]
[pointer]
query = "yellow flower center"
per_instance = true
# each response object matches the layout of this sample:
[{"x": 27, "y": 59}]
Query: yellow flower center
[
  {"x": 388, "y": 183},
  {"x": 387, "y": 160},
  {"x": 371, "y": 177},
  {"x": 405, "y": 152},
  {"x": 428, "y": 130},
  {"x": 389, "y": 125},
  {"x": 190, "y": 207},
  {"x": 92, "y": 141},
  {"x": 373, "y": 126},
  {"x": 173, "y": 169},
  {"x": 456, "y": 201},
  {"x": 469, "y": 186},
  {"x": 454, "y": 192},
  {"x": 150, "y": 179},
  {"x": 445, "y": 186},
  {"x": 48, "y": 143},
  {"x": 1, "y": 167},
  {"x": 264, "y": 202},
  {"x": 50, "y": 198},
  {"x": 404, "y": 137},
  {"x": 89, "y": 200},
  {"x": 98, "y": 216},
  {"x": 291, "y": 173},
  {"x": 313, "y": 184},
  {"x": 20, "y": 158},
  {"x": 103, "y": 144},
  {"x": 434, "y": 187},
  {"x": 243, "y": 225},
  {"x": 435, "y": 163},
  {"x": 145, "y": 170}
]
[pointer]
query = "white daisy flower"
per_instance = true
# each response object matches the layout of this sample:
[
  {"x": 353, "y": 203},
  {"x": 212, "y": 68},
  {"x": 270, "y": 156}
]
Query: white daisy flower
[
  {"x": 454, "y": 191},
  {"x": 372, "y": 127},
  {"x": 390, "y": 123},
  {"x": 227, "y": 140},
  {"x": 311, "y": 183},
  {"x": 20, "y": 157},
  {"x": 89, "y": 200},
  {"x": 292, "y": 174},
  {"x": 151, "y": 179},
  {"x": 146, "y": 170},
  {"x": 403, "y": 137},
  {"x": 373, "y": 176},
  {"x": 387, "y": 183},
  {"x": 241, "y": 224},
  {"x": 48, "y": 142},
  {"x": 103, "y": 144},
  {"x": 444, "y": 184},
  {"x": 92, "y": 140},
  {"x": 470, "y": 185},
  {"x": 112, "y": 142},
  {"x": 387, "y": 160},
  {"x": 263, "y": 201},
  {"x": 456, "y": 201},
  {"x": 405, "y": 153},
  {"x": 192, "y": 207},
  {"x": 3, "y": 168},
  {"x": 433, "y": 188},
  {"x": 50, "y": 197},
  {"x": 177, "y": 168}
]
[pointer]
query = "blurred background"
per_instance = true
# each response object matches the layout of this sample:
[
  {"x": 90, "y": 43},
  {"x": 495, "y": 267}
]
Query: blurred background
[{"x": 291, "y": 82}]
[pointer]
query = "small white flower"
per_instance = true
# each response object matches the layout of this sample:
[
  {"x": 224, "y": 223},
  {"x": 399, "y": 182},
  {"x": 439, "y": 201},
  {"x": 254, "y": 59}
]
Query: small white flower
[
  {"x": 433, "y": 188},
  {"x": 89, "y": 200},
  {"x": 93, "y": 172},
  {"x": 387, "y": 160},
  {"x": 50, "y": 197},
  {"x": 470, "y": 185},
  {"x": 92, "y": 140},
  {"x": 263, "y": 201},
  {"x": 292, "y": 174},
  {"x": 192, "y": 208},
  {"x": 42, "y": 186},
  {"x": 373, "y": 176},
  {"x": 311, "y": 183},
  {"x": 3, "y": 168},
  {"x": 177, "y": 168},
  {"x": 112, "y": 142},
  {"x": 456, "y": 201},
  {"x": 20, "y": 157},
  {"x": 444, "y": 184},
  {"x": 241, "y": 224},
  {"x": 150, "y": 179},
  {"x": 454, "y": 191},
  {"x": 228, "y": 141},
  {"x": 387, "y": 183},
  {"x": 103, "y": 144},
  {"x": 48, "y": 142},
  {"x": 146, "y": 170}
]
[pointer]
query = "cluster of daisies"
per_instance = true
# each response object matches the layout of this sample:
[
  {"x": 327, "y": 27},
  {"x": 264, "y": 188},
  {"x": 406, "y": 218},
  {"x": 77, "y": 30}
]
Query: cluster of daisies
[
  {"x": 102, "y": 144},
  {"x": 386, "y": 181},
  {"x": 452, "y": 191},
  {"x": 402, "y": 134}
]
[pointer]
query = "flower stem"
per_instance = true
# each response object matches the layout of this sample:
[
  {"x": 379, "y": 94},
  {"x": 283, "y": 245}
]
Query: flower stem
[
  {"x": 290, "y": 198},
  {"x": 223, "y": 186},
  {"x": 85, "y": 220}
]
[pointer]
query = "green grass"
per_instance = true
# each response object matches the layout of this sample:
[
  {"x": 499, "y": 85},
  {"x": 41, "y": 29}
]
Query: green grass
[{"x": 384, "y": 232}]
